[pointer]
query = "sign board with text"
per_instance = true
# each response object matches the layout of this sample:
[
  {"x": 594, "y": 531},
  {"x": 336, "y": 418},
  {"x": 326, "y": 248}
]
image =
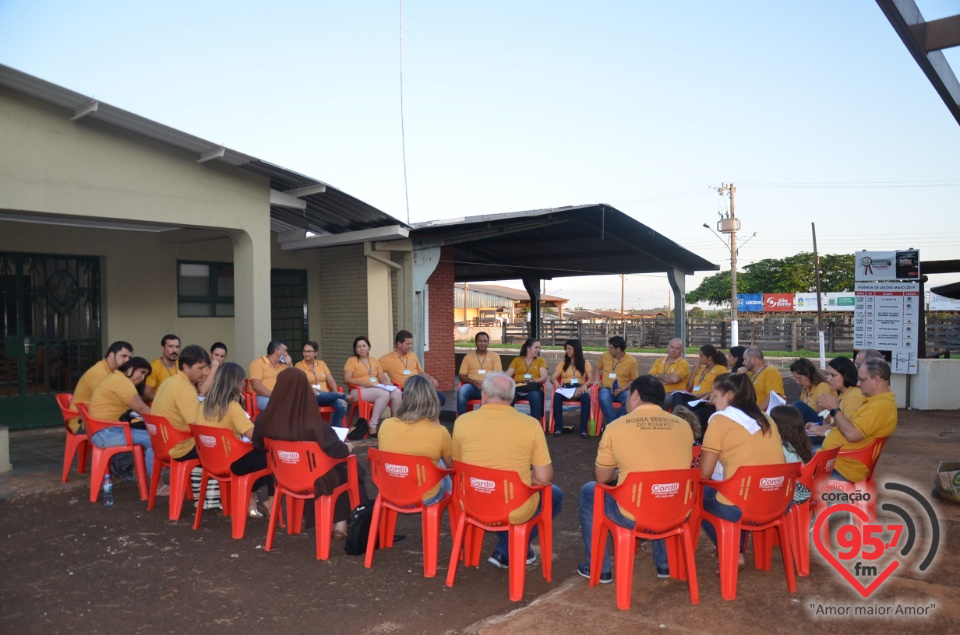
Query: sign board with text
[
  {"x": 887, "y": 265},
  {"x": 887, "y": 318}
]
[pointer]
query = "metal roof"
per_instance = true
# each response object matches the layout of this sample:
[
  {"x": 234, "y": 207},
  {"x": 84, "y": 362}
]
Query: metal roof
[
  {"x": 298, "y": 202},
  {"x": 508, "y": 293},
  {"x": 567, "y": 241}
]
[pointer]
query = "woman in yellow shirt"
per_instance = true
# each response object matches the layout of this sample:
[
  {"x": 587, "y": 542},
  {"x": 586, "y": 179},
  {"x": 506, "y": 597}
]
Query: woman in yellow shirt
[
  {"x": 364, "y": 373},
  {"x": 842, "y": 377},
  {"x": 812, "y": 384},
  {"x": 322, "y": 382},
  {"x": 530, "y": 372},
  {"x": 573, "y": 372}
]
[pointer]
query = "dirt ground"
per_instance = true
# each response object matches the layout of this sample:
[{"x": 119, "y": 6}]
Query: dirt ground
[{"x": 69, "y": 565}]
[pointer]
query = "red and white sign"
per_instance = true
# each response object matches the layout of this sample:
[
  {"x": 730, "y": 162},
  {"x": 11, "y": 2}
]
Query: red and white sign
[{"x": 777, "y": 302}]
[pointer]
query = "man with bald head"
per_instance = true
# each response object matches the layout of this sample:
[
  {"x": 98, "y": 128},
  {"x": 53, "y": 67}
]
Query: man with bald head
[
  {"x": 766, "y": 379},
  {"x": 673, "y": 371},
  {"x": 499, "y": 437},
  {"x": 865, "y": 354}
]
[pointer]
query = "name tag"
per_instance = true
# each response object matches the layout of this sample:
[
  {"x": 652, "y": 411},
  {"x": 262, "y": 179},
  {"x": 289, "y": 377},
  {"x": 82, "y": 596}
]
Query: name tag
[
  {"x": 482, "y": 371},
  {"x": 528, "y": 376},
  {"x": 574, "y": 381},
  {"x": 373, "y": 380},
  {"x": 406, "y": 371},
  {"x": 696, "y": 388},
  {"x": 612, "y": 375}
]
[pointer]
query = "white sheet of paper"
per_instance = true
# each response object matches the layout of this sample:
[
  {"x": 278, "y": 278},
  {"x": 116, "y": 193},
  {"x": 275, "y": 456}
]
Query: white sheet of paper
[
  {"x": 775, "y": 400},
  {"x": 341, "y": 432},
  {"x": 566, "y": 392},
  {"x": 389, "y": 388},
  {"x": 695, "y": 403}
]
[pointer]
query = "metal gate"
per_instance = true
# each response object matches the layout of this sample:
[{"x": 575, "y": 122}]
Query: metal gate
[
  {"x": 50, "y": 321},
  {"x": 288, "y": 299}
]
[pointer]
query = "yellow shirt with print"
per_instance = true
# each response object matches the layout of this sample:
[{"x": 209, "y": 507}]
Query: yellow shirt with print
[
  {"x": 679, "y": 366},
  {"x": 737, "y": 447},
  {"x": 626, "y": 370}
]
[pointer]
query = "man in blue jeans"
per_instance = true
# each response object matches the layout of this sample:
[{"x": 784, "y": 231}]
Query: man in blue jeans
[
  {"x": 613, "y": 374},
  {"x": 647, "y": 439}
]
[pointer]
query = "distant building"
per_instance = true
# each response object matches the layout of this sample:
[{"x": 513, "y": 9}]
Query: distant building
[{"x": 492, "y": 304}]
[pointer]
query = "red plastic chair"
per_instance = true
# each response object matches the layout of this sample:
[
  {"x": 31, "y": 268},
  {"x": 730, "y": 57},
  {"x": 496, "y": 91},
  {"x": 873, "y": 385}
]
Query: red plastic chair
[
  {"x": 78, "y": 443},
  {"x": 361, "y": 407},
  {"x": 488, "y": 496},
  {"x": 593, "y": 399},
  {"x": 813, "y": 475},
  {"x": 402, "y": 480},
  {"x": 296, "y": 466},
  {"x": 869, "y": 457},
  {"x": 762, "y": 492},
  {"x": 327, "y": 412},
  {"x": 218, "y": 448},
  {"x": 250, "y": 401},
  {"x": 662, "y": 503},
  {"x": 163, "y": 438},
  {"x": 100, "y": 457},
  {"x": 697, "y": 451}
]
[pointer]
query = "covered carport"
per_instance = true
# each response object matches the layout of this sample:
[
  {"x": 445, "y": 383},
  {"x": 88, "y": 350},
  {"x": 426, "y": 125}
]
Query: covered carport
[{"x": 533, "y": 246}]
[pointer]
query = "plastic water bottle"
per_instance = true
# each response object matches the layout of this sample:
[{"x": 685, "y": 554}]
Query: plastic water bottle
[{"x": 107, "y": 490}]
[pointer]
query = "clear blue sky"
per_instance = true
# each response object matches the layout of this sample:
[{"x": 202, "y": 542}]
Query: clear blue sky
[{"x": 523, "y": 105}]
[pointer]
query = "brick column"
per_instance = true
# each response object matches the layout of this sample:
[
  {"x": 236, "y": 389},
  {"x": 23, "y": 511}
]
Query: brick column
[{"x": 440, "y": 360}]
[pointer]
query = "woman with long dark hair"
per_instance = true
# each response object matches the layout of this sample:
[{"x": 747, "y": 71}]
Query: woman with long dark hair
[
  {"x": 292, "y": 415},
  {"x": 573, "y": 372},
  {"x": 739, "y": 434},
  {"x": 712, "y": 364},
  {"x": 796, "y": 443},
  {"x": 842, "y": 377},
  {"x": 365, "y": 373},
  {"x": 735, "y": 358}
]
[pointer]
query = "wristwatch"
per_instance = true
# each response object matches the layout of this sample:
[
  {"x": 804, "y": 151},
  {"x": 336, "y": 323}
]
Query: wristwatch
[{"x": 834, "y": 411}]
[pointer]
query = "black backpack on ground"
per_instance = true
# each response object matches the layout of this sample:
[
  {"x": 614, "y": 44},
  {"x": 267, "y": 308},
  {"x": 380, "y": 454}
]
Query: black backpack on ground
[{"x": 358, "y": 529}]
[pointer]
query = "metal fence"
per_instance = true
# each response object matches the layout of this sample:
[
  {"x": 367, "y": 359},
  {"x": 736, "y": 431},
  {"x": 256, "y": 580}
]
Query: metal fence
[{"x": 770, "y": 333}]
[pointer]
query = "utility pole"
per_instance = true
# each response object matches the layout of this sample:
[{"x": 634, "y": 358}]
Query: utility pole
[{"x": 729, "y": 224}]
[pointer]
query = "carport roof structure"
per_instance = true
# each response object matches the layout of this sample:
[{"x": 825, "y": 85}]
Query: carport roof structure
[{"x": 580, "y": 240}]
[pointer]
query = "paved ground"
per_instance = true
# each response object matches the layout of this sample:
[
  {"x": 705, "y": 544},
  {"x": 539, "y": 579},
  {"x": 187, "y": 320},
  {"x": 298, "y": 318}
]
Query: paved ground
[{"x": 73, "y": 566}]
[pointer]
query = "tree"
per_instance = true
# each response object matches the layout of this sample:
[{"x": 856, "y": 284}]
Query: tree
[{"x": 793, "y": 274}]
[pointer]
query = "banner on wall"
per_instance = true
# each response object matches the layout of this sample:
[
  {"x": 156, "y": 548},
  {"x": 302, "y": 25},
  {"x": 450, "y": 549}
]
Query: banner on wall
[
  {"x": 841, "y": 301},
  {"x": 808, "y": 301},
  {"x": 941, "y": 303},
  {"x": 887, "y": 265},
  {"x": 750, "y": 302},
  {"x": 778, "y": 302}
]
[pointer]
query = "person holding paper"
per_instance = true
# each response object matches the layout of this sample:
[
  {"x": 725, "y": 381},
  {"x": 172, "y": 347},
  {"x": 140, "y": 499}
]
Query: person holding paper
[
  {"x": 699, "y": 386},
  {"x": 221, "y": 409},
  {"x": 369, "y": 383},
  {"x": 529, "y": 371},
  {"x": 812, "y": 386},
  {"x": 321, "y": 380},
  {"x": 573, "y": 379},
  {"x": 740, "y": 434},
  {"x": 766, "y": 379},
  {"x": 293, "y": 416}
]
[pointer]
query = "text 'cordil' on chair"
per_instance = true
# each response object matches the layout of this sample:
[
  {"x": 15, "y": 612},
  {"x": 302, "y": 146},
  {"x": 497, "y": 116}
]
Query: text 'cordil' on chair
[
  {"x": 100, "y": 457},
  {"x": 488, "y": 496},
  {"x": 296, "y": 467},
  {"x": 163, "y": 438},
  {"x": 402, "y": 480}
]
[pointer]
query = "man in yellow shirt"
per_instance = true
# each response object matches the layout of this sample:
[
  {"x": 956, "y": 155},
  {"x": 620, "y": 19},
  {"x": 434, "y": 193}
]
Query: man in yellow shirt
[
  {"x": 646, "y": 440},
  {"x": 163, "y": 367},
  {"x": 499, "y": 437},
  {"x": 673, "y": 371},
  {"x": 766, "y": 379},
  {"x": 614, "y": 373},
  {"x": 402, "y": 364},
  {"x": 474, "y": 369},
  {"x": 117, "y": 355},
  {"x": 876, "y": 417},
  {"x": 178, "y": 401},
  {"x": 263, "y": 371}
]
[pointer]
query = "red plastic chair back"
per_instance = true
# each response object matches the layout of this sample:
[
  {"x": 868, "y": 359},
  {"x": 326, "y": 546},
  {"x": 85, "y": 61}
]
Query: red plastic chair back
[
  {"x": 100, "y": 460},
  {"x": 868, "y": 455},
  {"x": 75, "y": 441},
  {"x": 163, "y": 438},
  {"x": 217, "y": 448},
  {"x": 402, "y": 481},
  {"x": 663, "y": 504},
  {"x": 296, "y": 466},
  {"x": 487, "y": 497},
  {"x": 250, "y": 401},
  {"x": 813, "y": 475},
  {"x": 818, "y": 469},
  {"x": 364, "y": 408},
  {"x": 472, "y": 404},
  {"x": 697, "y": 451}
]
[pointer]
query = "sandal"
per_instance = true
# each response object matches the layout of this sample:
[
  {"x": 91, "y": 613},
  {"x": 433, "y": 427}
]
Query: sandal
[{"x": 339, "y": 535}]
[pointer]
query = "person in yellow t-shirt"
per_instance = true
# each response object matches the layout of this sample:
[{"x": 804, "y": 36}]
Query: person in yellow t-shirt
[
  {"x": 416, "y": 430},
  {"x": 573, "y": 372},
  {"x": 614, "y": 373},
  {"x": 163, "y": 367},
  {"x": 673, "y": 371},
  {"x": 370, "y": 383},
  {"x": 812, "y": 385},
  {"x": 739, "y": 434},
  {"x": 766, "y": 379},
  {"x": 529, "y": 371},
  {"x": 401, "y": 364},
  {"x": 263, "y": 371},
  {"x": 177, "y": 399},
  {"x": 499, "y": 437},
  {"x": 115, "y": 397},
  {"x": 842, "y": 377},
  {"x": 323, "y": 383},
  {"x": 117, "y": 355},
  {"x": 875, "y": 418},
  {"x": 648, "y": 439},
  {"x": 474, "y": 369}
]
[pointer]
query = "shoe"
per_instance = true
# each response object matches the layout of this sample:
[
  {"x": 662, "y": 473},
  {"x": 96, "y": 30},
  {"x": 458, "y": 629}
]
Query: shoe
[
  {"x": 163, "y": 490},
  {"x": 254, "y": 513},
  {"x": 558, "y": 433},
  {"x": 663, "y": 574},
  {"x": 584, "y": 435},
  {"x": 606, "y": 577},
  {"x": 503, "y": 562}
]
